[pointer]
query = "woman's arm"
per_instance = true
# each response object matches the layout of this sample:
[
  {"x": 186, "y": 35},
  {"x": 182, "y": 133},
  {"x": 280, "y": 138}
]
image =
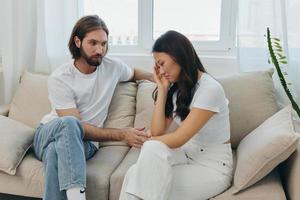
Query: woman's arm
[
  {"x": 159, "y": 122},
  {"x": 195, "y": 120}
]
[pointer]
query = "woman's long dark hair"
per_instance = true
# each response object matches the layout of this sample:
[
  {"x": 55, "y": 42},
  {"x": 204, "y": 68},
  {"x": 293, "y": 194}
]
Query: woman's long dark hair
[{"x": 181, "y": 50}]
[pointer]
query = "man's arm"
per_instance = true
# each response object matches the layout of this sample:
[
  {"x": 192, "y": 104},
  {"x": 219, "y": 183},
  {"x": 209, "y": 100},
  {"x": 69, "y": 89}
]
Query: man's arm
[
  {"x": 132, "y": 136},
  {"x": 142, "y": 75}
]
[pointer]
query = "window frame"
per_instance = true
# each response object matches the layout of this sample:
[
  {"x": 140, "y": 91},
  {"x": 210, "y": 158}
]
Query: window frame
[{"x": 225, "y": 46}]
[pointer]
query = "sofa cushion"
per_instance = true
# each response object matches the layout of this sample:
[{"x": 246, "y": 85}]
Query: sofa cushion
[
  {"x": 30, "y": 102},
  {"x": 269, "y": 187},
  {"x": 290, "y": 174},
  {"x": 264, "y": 148},
  {"x": 116, "y": 179},
  {"x": 100, "y": 168},
  {"x": 145, "y": 106},
  {"x": 29, "y": 178},
  {"x": 16, "y": 139},
  {"x": 251, "y": 101},
  {"x": 121, "y": 112}
]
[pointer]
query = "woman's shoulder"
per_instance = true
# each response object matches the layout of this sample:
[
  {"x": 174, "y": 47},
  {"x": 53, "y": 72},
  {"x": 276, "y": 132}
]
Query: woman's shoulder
[{"x": 208, "y": 83}]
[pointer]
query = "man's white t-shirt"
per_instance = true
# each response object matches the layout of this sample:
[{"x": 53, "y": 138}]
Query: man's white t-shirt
[
  {"x": 90, "y": 94},
  {"x": 210, "y": 95}
]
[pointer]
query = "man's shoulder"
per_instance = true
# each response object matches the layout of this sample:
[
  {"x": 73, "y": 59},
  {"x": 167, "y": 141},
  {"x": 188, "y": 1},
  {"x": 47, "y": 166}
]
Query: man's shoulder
[
  {"x": 109, "y": 60},
  {"x": 63, "y": 70}
]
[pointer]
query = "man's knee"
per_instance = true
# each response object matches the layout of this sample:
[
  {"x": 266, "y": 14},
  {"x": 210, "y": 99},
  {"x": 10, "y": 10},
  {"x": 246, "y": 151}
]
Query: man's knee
[{"x": 72, "y": 124}]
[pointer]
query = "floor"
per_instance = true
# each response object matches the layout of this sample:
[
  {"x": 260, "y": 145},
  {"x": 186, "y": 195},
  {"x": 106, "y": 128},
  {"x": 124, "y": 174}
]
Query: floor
[{"x": 12, "y": 197}]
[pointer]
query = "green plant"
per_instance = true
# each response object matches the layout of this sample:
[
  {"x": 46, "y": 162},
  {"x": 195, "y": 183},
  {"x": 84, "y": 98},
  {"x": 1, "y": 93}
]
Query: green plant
[{"x": 276, "y": 57}]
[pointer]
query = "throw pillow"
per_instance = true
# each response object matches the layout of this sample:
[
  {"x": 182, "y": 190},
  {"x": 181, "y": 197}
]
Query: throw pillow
[
  {"x": 16, "y": 139},
  {"x": 145, "y": 106},
  {"x": 264, "y": 148}
]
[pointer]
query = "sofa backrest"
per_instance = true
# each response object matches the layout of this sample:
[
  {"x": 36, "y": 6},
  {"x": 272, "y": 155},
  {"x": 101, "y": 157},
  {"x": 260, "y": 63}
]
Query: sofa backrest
[
  {"x": 30, "y": 102},
  {"x": 251, "y": 101}
]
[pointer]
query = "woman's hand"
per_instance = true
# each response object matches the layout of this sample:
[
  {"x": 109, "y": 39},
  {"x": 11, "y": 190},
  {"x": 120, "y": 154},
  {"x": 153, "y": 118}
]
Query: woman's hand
[{"x": 160, "y": 80}]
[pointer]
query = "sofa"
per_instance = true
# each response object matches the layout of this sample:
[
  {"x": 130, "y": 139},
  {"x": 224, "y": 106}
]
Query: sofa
[{"x": 252, "y": 101}]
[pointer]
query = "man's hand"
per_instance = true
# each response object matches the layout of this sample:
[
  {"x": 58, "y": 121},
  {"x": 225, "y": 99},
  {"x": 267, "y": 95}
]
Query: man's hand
[{"x": 135, "y": 137}]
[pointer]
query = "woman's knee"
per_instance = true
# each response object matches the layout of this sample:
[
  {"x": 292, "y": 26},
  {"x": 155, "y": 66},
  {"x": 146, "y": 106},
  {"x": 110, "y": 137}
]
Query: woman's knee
[
  {"x": 154, "y": 144},
  {"x": 155, "y": 147}
]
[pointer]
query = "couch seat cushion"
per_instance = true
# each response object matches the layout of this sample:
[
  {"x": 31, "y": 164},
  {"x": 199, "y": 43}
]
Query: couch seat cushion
[
  {"x": 269, "y": 187},
  {"x": 117, "y": 177},
  {"x": 259, "y": 191},
  {"x": 29, "y": 178},
  {"x": 100, "y": 168}
]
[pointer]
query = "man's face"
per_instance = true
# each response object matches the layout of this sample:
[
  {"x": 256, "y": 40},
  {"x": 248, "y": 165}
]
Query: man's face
[{"x": 93, "y": 47}]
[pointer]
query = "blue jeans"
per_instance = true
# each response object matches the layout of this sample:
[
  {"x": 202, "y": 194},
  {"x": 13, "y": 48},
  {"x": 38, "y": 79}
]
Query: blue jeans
[{"x": 60, "y": 145}]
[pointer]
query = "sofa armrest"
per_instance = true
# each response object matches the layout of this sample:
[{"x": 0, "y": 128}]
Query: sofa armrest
[
  {"x": 290, "y": 175},
  {"x": 4, "y": 109}
]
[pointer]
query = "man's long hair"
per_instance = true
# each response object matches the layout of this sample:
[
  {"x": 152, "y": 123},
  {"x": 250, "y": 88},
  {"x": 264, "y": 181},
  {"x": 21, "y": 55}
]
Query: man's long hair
[{"x": 83, "y": 26}]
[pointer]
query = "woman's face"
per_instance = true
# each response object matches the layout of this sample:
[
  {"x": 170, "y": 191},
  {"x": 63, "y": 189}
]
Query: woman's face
[{"x": 167, "y": 66}]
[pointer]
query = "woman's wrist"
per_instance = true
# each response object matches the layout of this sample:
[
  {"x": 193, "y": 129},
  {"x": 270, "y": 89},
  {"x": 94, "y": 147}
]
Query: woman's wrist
[{"x": 162, "y": 89}]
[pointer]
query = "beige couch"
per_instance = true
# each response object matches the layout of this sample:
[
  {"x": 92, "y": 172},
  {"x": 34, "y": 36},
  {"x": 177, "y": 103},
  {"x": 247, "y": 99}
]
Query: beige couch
[{"x": 252, "y": 100}]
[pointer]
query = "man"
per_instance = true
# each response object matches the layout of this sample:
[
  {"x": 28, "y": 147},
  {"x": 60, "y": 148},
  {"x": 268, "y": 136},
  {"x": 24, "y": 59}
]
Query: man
[{"x": 80, "y": 93}]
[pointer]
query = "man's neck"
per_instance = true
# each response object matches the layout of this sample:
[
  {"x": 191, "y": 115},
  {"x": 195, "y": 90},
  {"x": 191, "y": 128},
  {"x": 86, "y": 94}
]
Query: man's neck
[{"x": 83, "y": 66}]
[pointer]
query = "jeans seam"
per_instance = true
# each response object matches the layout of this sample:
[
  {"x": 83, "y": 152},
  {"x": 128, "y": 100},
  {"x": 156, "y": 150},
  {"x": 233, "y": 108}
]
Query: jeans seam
[{"x": 65, "y": 128}]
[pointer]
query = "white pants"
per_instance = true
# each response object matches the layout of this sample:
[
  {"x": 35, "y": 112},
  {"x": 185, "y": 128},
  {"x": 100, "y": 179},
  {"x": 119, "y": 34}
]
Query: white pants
[{"x": 191, "y": 172}]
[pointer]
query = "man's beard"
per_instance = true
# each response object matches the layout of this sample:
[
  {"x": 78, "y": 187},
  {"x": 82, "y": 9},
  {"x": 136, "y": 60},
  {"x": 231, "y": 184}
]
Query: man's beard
[{"x": 94, "y": 60}]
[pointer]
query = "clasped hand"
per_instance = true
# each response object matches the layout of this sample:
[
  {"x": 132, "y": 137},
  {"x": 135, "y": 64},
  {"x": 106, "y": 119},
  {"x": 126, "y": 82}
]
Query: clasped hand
[{"x": 136, "y": 137}]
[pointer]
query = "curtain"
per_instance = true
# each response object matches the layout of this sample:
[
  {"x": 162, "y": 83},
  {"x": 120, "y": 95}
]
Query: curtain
[
  {"x": 34, "y": 37},
  {"x": 281, "y": 16}
]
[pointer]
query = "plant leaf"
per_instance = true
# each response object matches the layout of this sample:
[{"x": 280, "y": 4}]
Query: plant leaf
[
  {"x": 276, "y": 39},
  {"x": 277, "y": 43},
  {"x": 283, "y": 61}
]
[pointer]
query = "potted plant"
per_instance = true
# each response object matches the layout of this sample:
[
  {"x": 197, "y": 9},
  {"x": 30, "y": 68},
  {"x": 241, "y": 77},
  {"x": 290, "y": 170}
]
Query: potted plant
[{"x": 277, "y": 58}]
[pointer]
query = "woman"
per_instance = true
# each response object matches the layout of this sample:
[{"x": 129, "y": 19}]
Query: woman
[{"x": 194, "y": 161}]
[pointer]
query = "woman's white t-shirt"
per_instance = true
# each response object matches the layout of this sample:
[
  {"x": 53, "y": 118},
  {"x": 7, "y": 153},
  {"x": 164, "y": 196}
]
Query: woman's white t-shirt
[
  {"x": 90, "y": 94},
  {"x": 210, "y": 95}
]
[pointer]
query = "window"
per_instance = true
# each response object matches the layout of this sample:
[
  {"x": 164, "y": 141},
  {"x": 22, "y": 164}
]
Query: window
[
  {"x": 122, "y": 20},
  {"x": 135, "y": 24},
  {"x": 203, "y": 25}
]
